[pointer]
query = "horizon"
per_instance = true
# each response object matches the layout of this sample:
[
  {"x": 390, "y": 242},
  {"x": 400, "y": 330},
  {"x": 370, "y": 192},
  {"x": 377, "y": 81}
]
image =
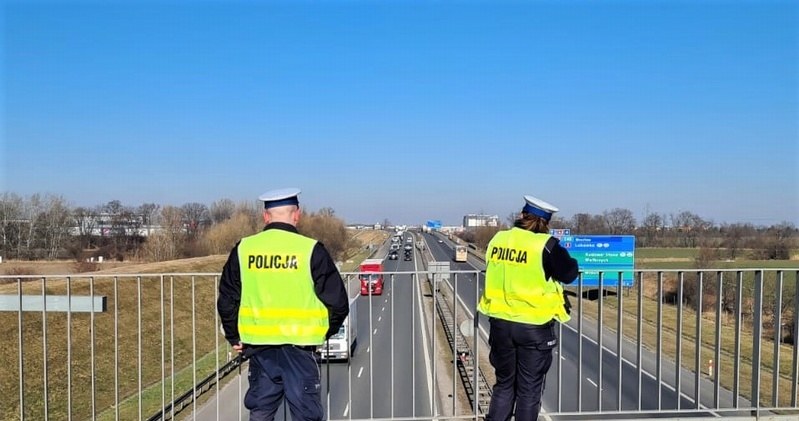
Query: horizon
[{"x": 408, "y": 111}]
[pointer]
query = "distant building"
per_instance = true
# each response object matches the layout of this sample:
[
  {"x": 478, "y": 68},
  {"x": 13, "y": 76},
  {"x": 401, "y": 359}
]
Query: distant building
[{"x": 478, "y": 220}]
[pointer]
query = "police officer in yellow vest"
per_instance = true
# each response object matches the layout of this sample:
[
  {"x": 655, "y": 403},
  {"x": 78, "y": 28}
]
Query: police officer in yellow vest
[
  {"x": 523, "y": 297},
  {"x": 280, "y": 296}
]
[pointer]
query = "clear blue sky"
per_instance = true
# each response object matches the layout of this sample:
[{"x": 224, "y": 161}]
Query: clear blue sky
[{"x": 408, "y": 110}]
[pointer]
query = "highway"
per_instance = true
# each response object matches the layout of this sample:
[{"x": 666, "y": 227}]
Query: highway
[{"x": 651, "y": 396}]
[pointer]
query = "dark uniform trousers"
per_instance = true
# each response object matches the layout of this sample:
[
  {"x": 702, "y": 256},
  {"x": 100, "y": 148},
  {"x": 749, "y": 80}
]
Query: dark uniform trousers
[
  {"x": 521, "y": 355},
  {"x": 279, "y": 371}
]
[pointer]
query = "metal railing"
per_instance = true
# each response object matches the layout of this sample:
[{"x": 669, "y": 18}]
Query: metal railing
[{"x": 676, "y": 343}]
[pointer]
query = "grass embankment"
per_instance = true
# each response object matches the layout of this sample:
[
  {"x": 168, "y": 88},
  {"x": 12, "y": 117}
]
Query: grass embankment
[{"x": 163, "y": 306}]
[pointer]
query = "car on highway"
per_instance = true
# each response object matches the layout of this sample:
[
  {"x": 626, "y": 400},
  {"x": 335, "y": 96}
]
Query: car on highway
[
  {"x": 408, "y": 256},
  {"x": 440, "y": 240},
  {"x": 408, "y": 247},
  {"x": 393, "y": 255}
]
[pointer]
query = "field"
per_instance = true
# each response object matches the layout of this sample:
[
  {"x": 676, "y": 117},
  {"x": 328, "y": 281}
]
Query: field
[{"x": 175, "y": 313}]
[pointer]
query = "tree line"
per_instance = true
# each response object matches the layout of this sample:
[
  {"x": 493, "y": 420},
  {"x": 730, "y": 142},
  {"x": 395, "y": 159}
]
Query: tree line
[
  {"x": 684, "y": 229},
  {"x": 47, "y": 227}
]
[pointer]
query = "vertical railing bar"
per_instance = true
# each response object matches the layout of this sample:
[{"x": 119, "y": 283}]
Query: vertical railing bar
[
  {"x": 560, "y": 367},
  {"x": 455, "y": 349},
  {"x": 162, "y": 321},
  {"x": 619, "y": 335},
  {"x": 775, "y": 374},
  {"x": 433, "y": 313},
  {"x": 392, "y": 345},
  {"x": 659, "y": 333},
  {"x": 640, "y": 337},
  {"x": 172, "y": 347},
  {"x": 216, "y": 344},
  {"x": 599, "y": 340},
  {"x": 69, "y": 348},
  {"x": 193, "y": 349},
  {"x": 45, "y": 397},
  {"x": 91, "y": 346},
  {"x": 476, "y": 347},
  {"x": 138, "y": 344},
  {"x": 678, "y": 357},
  {"x": 19, "y": 350},
  {"x": 580, "y": 341},
  {"x": 717, "y": 355},
  {"x": 698, "y": 350},
  {"x": 414, "y": 279},
  {"x": 737, "y": 357},
  {"x": 116, "y": 348},
  {"x": 349, "y": 363},
  {"x": 795, "y": 368},
  {"x": 371, "y": 349},
  {"x": 757, "y": 326}
]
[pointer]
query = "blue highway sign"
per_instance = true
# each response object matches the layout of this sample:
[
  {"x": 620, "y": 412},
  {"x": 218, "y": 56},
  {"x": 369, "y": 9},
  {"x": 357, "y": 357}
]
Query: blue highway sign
[{"x": 609, "y": 254}]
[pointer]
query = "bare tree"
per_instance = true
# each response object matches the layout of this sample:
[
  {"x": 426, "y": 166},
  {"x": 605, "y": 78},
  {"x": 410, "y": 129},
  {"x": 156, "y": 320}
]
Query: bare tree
[
  {"x": 55, "y": 225},
  {"x": 689, "y": 225},
  {"x": 652, "y": 227},
  {"x": 147, "y": 211},
  {"x": 10, "y": 217},
  {"x": 327, "y": 229},
  {"x": 196, "y": 217},
  {"x": 222, "y": 210},
  {"x": 619, "y": 221},
  {"x": 584, "y": 223}
]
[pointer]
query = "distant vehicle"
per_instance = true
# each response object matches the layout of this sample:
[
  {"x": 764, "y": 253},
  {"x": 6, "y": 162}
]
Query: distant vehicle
[
  {"x": 341, "y": 345},
  {"x": 395, "y": 246},
  {"x": 408, "y": 247},
  {"x": 393, "y": 255},
  {"x": 440, "y": 240},
  {"x": 371, "y": 277},
  {"x": 460, "y": 253},
  {"x": 408, "y": 256},
  {"x": 408, "y": 239}
]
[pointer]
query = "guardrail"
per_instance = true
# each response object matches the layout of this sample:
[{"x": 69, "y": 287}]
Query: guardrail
[{"x": 679, "y": 342}]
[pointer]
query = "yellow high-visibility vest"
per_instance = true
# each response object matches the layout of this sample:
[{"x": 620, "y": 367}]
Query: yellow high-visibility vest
[
  {"x": 516, "y": 287},
  {"x": 278, "y": 302}
]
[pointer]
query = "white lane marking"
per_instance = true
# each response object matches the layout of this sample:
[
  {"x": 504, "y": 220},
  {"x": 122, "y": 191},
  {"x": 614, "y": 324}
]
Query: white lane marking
[
  {"x": 380, "y": 318},
  {"x": 383, "y": 309},
  {"x": 374, "y": 333},
  {"x": 346, "y": 410},
  {"x": 368, "y": 348},
  {"x": 360, "y": 372},
  {"x": 591, "y": 381},
  {"x": 633, "y": 366},
  {"x": 563, "y": 358}
]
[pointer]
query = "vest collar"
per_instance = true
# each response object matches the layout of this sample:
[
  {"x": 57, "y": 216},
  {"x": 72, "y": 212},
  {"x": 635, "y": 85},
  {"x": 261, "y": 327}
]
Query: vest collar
[{"x": 281, "y": 226}]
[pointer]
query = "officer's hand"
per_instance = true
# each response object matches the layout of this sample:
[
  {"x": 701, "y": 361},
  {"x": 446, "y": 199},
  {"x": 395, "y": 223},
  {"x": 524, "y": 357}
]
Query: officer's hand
[
  {"x": 238, "y": 348},
  {"x": 567, "y": 305}
]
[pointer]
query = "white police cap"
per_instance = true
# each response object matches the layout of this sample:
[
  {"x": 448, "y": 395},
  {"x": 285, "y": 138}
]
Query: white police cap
[
  {"x": 280, "y": 197},
  {"x": 538, "y": 207}
]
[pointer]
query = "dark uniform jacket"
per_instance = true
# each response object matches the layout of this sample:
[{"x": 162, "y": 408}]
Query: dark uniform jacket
[{"x": 328, "y": 286}]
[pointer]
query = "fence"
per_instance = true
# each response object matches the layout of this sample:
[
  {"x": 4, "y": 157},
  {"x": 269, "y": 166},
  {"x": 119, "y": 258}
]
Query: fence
[{"x": 677, "y": 343}]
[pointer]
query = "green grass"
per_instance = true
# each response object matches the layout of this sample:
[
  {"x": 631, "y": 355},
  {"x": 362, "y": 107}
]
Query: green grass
[{"x": 666, "y": 253}]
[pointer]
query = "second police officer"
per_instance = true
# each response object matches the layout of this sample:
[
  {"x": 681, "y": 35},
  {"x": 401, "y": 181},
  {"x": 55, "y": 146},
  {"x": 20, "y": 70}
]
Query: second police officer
[{"x": 523, "y": 299}]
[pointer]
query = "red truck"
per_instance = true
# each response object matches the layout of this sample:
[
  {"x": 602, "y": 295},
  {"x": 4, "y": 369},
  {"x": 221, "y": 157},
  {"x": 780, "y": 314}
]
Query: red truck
[{"x": 371, "y": 277}]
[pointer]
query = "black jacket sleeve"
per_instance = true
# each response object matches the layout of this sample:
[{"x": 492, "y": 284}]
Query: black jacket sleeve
[
  {"x": 558, "y": 264},
  {"x": 329, "y": 288},
  {"x": 230, "y": 297}
]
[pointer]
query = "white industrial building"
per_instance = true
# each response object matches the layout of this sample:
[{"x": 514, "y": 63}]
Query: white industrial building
[{"x": 478, "y": 220}]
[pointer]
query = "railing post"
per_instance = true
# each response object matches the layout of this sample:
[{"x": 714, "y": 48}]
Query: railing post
[{"x": 757, "y": 327}]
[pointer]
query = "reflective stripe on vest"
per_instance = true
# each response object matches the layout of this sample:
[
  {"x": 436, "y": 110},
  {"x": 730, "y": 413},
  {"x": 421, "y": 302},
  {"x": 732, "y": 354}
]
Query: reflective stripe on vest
[
  {"x": 278, "y": 301},
  {"x": 516, "y": 288}
]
